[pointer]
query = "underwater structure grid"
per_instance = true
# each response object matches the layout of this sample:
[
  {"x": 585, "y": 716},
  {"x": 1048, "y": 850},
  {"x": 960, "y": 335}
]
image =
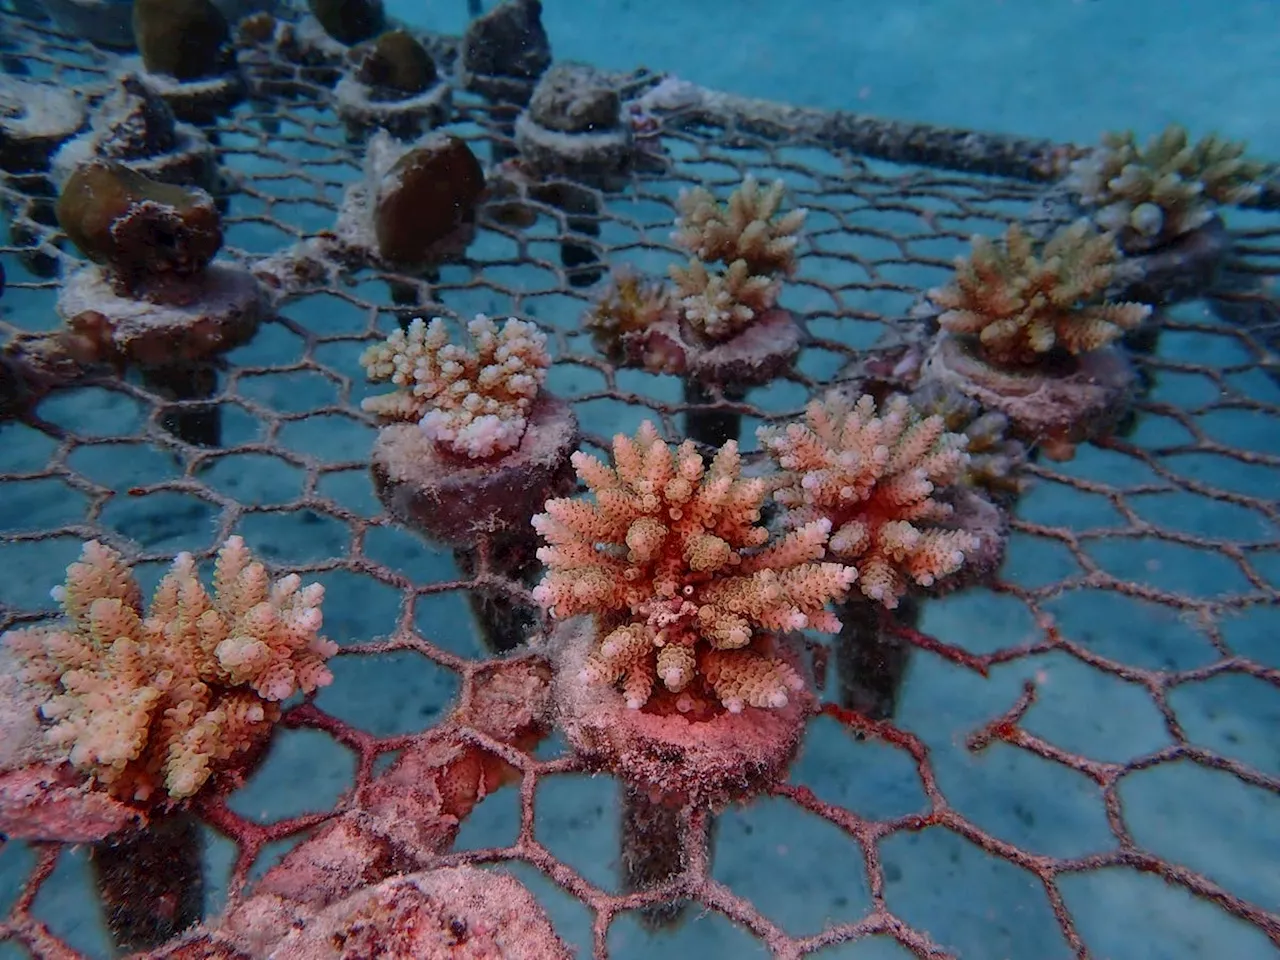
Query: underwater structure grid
[{"x": 1172, "y": 521}]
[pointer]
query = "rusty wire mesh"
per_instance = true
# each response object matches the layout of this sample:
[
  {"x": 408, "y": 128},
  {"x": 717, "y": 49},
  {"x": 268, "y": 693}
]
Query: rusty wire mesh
[{"x": 1084, "y": 758}]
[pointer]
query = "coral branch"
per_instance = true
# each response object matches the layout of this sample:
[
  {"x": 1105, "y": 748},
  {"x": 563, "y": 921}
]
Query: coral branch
[
  {"x": 1151, "y": 195},
  {"x": 747, "y": 228},
  {"x": 673, "y": 561},
  {"x": 153, "y": 706},
  {"x": 472, "y": 403},
  {"x": 1022, "y": 306},
  {"x": 719, "y": 305},
  {"x": 872, "y": 477}
]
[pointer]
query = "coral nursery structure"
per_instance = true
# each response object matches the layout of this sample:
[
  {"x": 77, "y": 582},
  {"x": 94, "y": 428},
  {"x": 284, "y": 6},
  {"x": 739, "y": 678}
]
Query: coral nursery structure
[
  {"x": 473, "y": 445},
  {"x": 743, "y": 599},
  {"x": 720, "y": 326}
]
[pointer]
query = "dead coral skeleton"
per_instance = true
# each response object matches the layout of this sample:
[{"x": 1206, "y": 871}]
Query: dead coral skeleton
[
  {"x": 1149, "y": 195},
  {"x": 474, "y": 403},
  {"x": 1021, "y": 306},
  {"x": 673, "y": 561},
  {"x": 873, "y": 476},
  {"x": 151, "y": 705}
]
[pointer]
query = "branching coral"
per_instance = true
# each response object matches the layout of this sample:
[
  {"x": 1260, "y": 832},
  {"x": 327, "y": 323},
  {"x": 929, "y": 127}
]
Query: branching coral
[
  {"x": 873, "y": 478},
  {"x": 628, "y": 306},
  {"x": 1022, "y": 306},
  {"x": 746, "y": 236},
  {"x": 673, "y": 561},
  {"x": 743, "y": 229},
  {"x": 153, "y": 705},
  {"x": 1151, "y": 195},
  {"x": 472, "y": 403},
  {"x": 723, "y": 304},
  {"x": 995, "y": 459}
]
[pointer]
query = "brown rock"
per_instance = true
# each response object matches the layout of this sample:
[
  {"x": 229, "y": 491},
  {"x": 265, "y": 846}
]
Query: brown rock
[
  {"x": 139, "y": 229},
  {"x": 575, "y": 98},
  {"x": 185, "y": 39},
  {"x": 429, "y": 194},
  {"x": 396, "y": 65}
]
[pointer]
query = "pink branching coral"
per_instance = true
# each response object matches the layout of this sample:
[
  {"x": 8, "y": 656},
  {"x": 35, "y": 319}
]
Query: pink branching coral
[
  {"x": 872, "y": 476},
  {"x": 473, "y": 403},
  {"x": 152, "y": 705},
  {"x": 674, "y": 563},
  {"x": 1022, "y": 306}
]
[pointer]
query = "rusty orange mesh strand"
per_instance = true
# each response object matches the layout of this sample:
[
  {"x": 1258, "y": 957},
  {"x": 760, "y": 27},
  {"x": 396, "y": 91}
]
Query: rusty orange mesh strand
[{"x": 1099, "y": 745}]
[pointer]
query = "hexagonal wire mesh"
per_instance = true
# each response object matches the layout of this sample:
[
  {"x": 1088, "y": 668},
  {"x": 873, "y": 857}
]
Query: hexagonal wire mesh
[{"x": 1083, "y": 760}]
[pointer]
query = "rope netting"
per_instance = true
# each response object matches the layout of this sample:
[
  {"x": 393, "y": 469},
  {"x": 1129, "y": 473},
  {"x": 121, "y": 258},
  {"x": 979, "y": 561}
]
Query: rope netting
[{"x": 1083, "y": 758}]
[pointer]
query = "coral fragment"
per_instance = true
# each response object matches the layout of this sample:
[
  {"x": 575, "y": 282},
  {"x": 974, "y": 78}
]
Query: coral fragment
[
  {"x": 474, "y": 403},
  {"x": 873, "y": 476},
  {"x": 1150, "y": 195},
  {"x": 1022, "y": 306},
  {"x": 153, "y": 703},
  {"x": 674, "y": 563}
]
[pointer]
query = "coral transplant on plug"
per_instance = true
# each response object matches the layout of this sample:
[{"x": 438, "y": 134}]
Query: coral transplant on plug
[
  {"x": 471, "y": 448},
  {"x": 1022, "y": 306},
  {"x": 474, "y": 403},
  {"x": 1149, "y": 196},
  {"x": 1028, "y": 335},
  {"x": 756, "y": 248},
  {"x": 683, "y": 579},
  {"x": 716, "y": 325},
  {"x": 152, "y": 704},
  {"x": 871, "y": 478}
]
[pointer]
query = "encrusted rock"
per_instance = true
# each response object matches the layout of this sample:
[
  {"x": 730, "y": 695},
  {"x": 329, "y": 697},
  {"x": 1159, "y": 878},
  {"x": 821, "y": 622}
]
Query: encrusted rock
[
  {"x": 1054, "y": 406},
  {"x": 677, "y": 749},
  {"x": 35, "y": 119},
  {"x": 395, "y": 87},
  {"x": 417, "y": 204},
  {"x": 222, "y": 310},
  {"x": 150, "y": 236},
  {"x": 452, "y": 499},
  {"x": 349, "y": 21},
  {"x": 135, "y": 125},
  {"x": 451, "y": 912},
  {"x": 396, "y": 66},
  {"x": 505, "y": 51},
  {"x": 183, "y": 39},
  {"x": 575, "y": 126},
  {"x": 576, "y": 98}
]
